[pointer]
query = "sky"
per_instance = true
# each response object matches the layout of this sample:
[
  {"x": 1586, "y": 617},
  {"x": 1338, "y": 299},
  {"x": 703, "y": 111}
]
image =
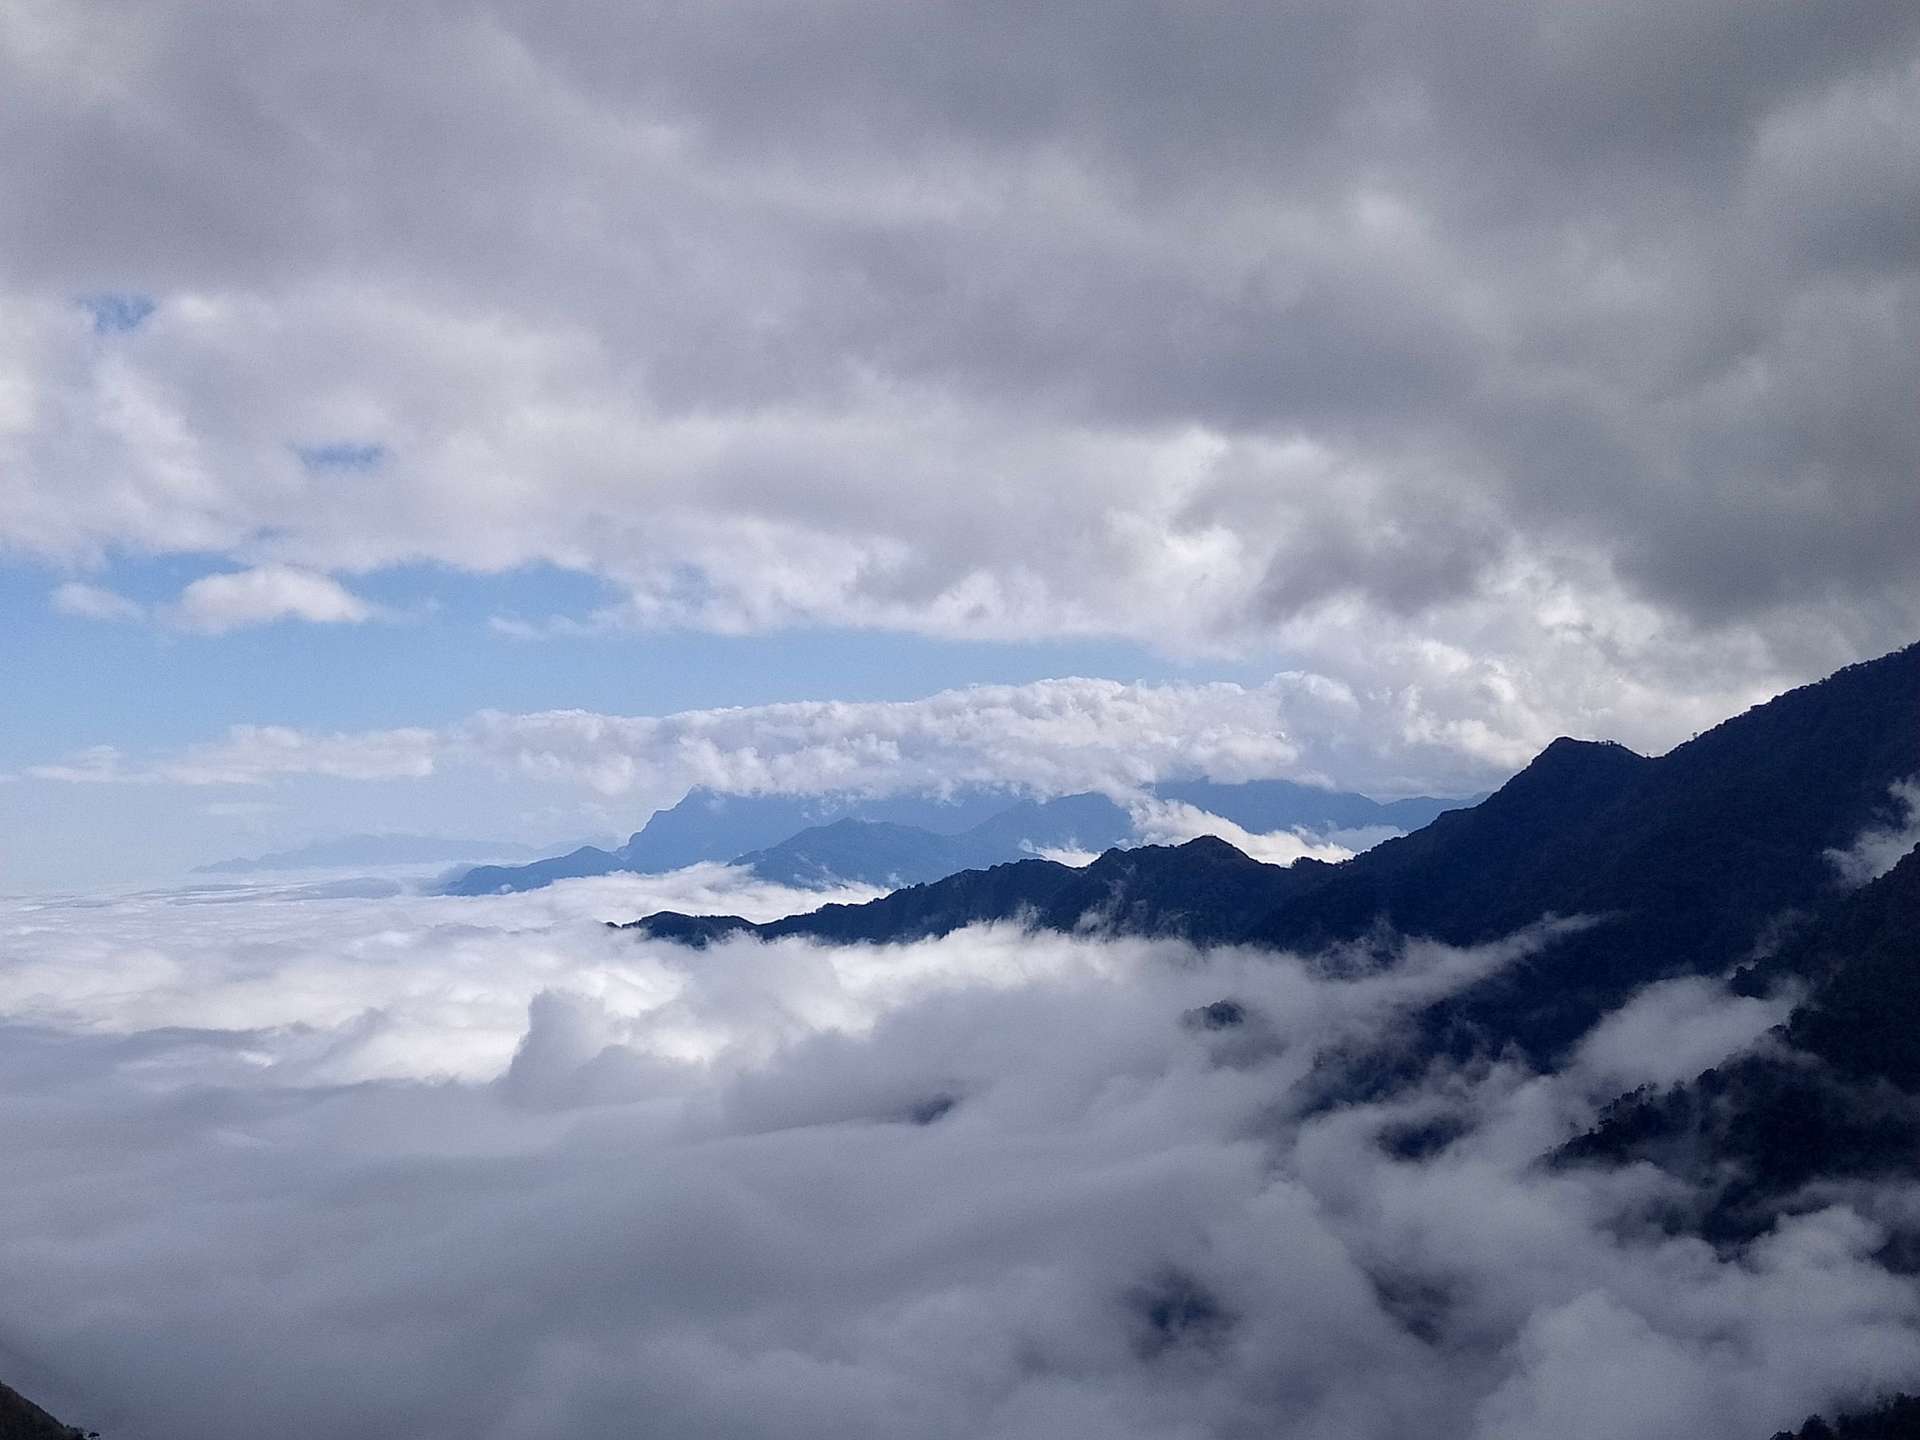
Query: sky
[{"x": 491, "y": 419}]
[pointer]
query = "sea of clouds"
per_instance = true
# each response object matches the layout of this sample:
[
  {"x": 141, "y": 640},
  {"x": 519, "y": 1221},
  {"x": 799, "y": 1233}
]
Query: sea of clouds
[{"x": 325, "y": 1158}]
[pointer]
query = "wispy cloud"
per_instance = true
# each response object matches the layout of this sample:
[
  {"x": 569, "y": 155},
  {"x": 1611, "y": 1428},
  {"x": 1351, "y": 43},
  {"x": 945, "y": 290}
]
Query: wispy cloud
[
  {"x": 93, "y": 602},
  {"x": 1878, "y": 848}
]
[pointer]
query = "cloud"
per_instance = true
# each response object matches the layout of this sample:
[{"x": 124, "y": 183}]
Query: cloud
[
  {"x": 95, "y": 765},
  {"x": 485, "y": 1168},
  {"x": 217, "y": 604},
  {"x": 232, "y": 600},
  {"x": 1879, "y": 848},
  {"x": 1050, "y": 737},
  {"x": 91, "y": 602},
  {"x": 1174, "y": 822},
  {"x": 1331, "y": 335}
]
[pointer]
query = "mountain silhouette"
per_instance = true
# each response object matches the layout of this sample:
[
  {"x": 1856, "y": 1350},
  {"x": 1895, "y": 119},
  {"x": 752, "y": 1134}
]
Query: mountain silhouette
[
  {"x": 1683, "y": 862},
  {"x": 21, "y": 1419},
  {"x": 820, "y": 841}
]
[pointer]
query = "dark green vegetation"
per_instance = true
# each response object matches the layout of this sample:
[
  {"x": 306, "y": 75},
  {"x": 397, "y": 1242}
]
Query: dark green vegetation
[{"x": 21, "y": 1419}]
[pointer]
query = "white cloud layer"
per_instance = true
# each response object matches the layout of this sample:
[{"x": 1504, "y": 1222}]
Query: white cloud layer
[{"x": 481, "y": 1168}]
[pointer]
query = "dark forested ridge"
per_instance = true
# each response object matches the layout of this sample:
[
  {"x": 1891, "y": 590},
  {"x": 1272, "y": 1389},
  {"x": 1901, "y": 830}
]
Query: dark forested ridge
[
  {"x": 21, "y": 1419},
  {"x": 1835, "y": 1096},
  {"x": 1895, "y": 1419},
  {"x": 1684, "y": 860}
]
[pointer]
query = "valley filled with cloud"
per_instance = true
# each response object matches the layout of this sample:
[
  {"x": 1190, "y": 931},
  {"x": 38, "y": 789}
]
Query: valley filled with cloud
[
  {"x": 289, "y": 1160},
  {"x": 1183, "y": 719}
]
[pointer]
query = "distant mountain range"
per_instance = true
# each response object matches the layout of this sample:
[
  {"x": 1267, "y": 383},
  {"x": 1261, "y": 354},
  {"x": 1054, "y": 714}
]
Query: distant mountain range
[
  {"x": 910, "y": 839},
  {"x": 1717, "y": 858},
  {"x": 373, "y": 850}
]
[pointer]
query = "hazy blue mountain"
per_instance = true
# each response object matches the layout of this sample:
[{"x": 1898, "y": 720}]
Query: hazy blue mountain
[
  {"x": 708, "y": 825},
  {"x": 1683, "y": 860},
  {"x": 907, "y": 839},
  {"x": 869, "y": 852},
  {"x": 1264, "y": 806},
  {"x": 876, "y": 852},
  {"x": 372, "y": 850}
]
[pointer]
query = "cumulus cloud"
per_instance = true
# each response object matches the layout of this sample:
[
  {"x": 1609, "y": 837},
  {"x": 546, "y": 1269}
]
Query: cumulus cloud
[
  {"x": 1050, "y": 737},
  {"x": 485, "y": 1168},
  {"x": 234, "y": 600},
  {"x": 264, "y": 594},
  {"x": 1271, "y": 330}
]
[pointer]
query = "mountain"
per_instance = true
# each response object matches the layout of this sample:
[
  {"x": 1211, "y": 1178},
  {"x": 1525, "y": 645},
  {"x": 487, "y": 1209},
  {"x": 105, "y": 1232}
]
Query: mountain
[
  {"x": 21, "y": 1419},
  {"x": 868, "y": 852},
  {"x": 1896, "y": 1418},
  {"x": 1264, "y": 806},
  {"x": 910, "y": 839},
  {"x": 1682, "y": 861},
  {"x": 709, "y": 825},
  {"x": 371, "y": 850},
  {"x": 1197, "y": 890},
  {"x": 1836, "y": 1095},
  {"x": 876, "y": 852}
]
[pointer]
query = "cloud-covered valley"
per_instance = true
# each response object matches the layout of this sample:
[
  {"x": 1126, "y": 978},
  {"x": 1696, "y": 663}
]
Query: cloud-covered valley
[{"x": 305, "y": 1162}]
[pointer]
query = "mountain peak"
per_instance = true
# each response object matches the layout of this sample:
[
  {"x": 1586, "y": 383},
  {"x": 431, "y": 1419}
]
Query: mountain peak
[{"x": 1569, "y": 769}]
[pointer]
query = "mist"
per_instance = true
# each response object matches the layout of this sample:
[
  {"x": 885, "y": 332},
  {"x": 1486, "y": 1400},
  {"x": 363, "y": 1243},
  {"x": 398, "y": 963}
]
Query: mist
[{"x": 309, "y": 1163}]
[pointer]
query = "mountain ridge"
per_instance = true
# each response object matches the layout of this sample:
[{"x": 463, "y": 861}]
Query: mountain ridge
[
  {"x": 1684, "y": 860},
  {"x": 820, "y": 841}
]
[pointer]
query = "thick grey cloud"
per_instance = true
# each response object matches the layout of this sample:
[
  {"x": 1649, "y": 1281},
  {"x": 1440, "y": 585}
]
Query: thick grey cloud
[
  {"x": 304, "y": 1165},
  {"x": 1214, "y": 326}
]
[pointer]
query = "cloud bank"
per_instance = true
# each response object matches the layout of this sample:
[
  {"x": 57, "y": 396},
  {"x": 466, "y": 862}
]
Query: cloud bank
[
  {"x": 1578, "y": 341},
  {"x": 307, "y": 1166},
  {"x": 1052, "y": 737}
]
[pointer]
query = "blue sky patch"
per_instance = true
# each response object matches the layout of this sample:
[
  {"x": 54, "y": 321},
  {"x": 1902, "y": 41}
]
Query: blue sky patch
[
  {"x": 116, "y": 312},
  {"x": 341, "y": 455}
]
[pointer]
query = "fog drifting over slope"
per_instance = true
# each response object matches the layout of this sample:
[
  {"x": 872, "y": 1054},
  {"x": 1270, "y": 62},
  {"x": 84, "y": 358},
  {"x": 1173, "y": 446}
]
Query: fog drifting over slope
[{"x": 300, "y": 1166}]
